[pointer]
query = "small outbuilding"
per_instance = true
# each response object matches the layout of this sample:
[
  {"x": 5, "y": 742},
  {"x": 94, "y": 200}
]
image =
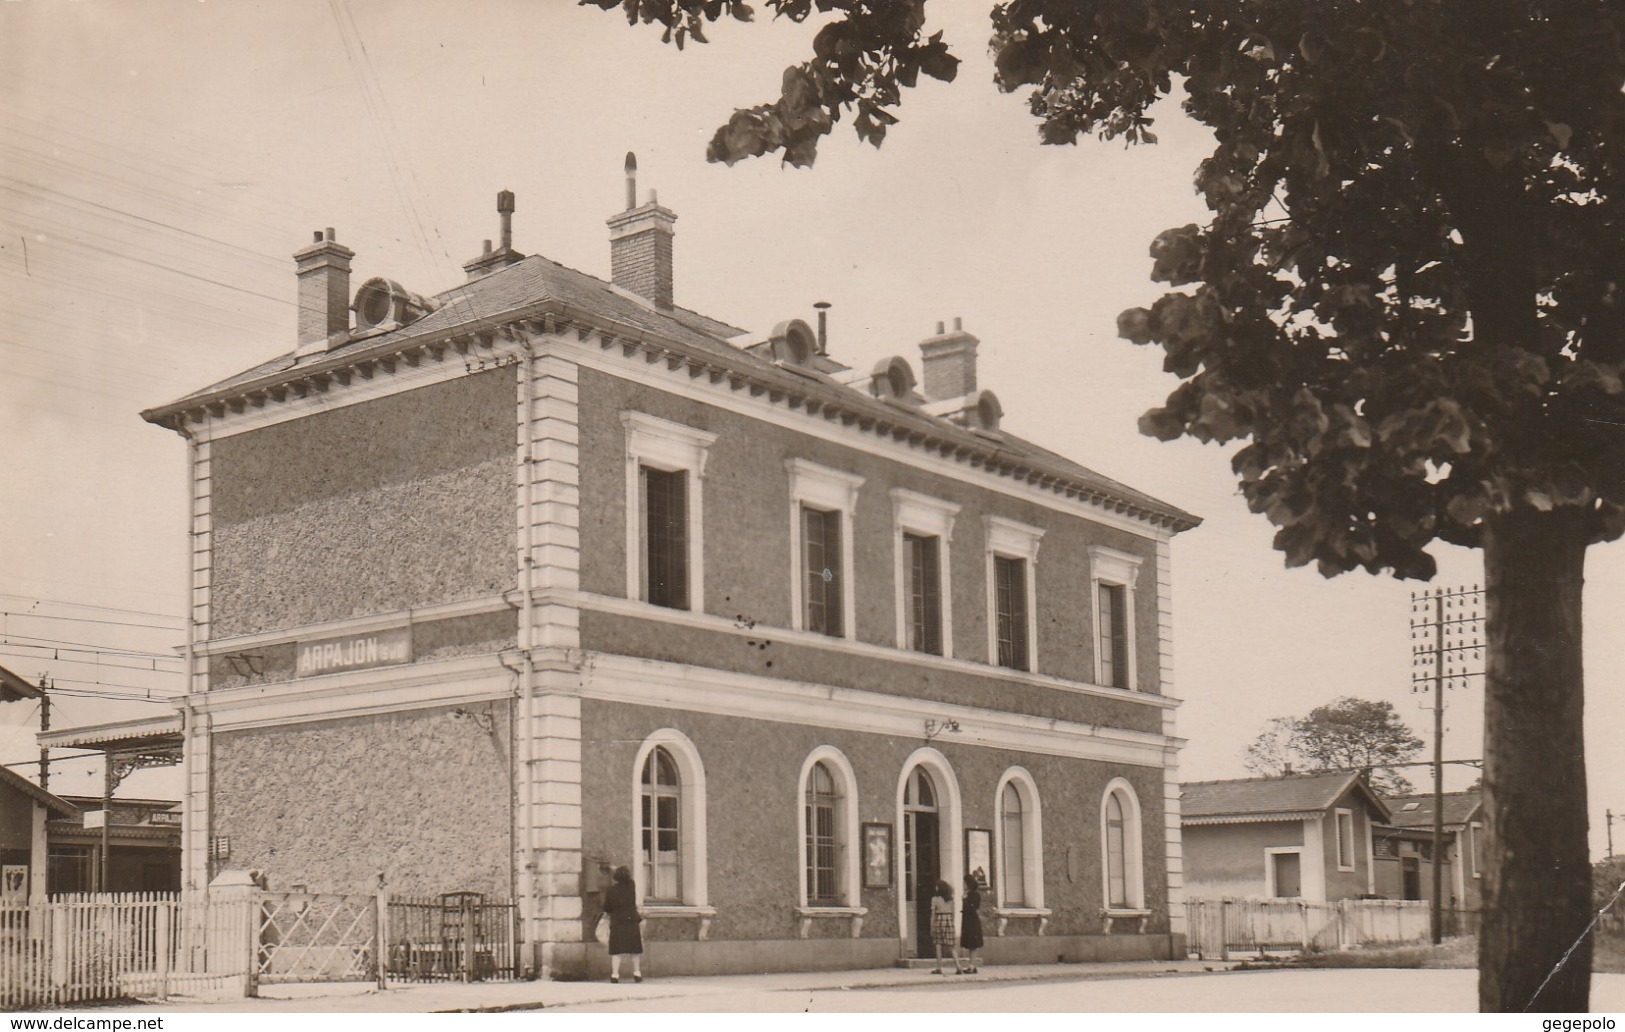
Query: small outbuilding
[{"x": 1298, "y": 836}]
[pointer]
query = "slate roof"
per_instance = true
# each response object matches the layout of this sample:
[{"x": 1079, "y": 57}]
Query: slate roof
[
  {"x": 538, "y": 283},
  {"x": 1416, "y": 811},
  {"x": 1291, "y": 797},
  {"x": 13, "y": 687}
]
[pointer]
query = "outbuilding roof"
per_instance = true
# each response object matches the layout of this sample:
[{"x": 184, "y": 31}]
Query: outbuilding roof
[
  {"x": 538, "y": 288},
  {"x": 1284, "y": 798},
  {"x": 1416, "y": 811},
  {"x": 50, "y": 800}
]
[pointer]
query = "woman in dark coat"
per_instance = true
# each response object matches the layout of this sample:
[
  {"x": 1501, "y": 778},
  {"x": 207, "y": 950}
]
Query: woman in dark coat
[
  {"x": 970, "y": 921},
  {"x": 625, "y": 937}
]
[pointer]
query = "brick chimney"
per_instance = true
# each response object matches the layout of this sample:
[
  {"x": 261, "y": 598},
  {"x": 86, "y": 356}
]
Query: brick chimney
[
  {"x": 640, "y": 241},
  {"x": 324, "y": 289},
  {"x": 948, "y": 364}
]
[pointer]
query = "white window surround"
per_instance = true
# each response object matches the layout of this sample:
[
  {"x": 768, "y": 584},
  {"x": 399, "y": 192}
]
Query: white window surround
[
  {"x": 1345, "y": 837},
  {"x": 672, "y": 448},
  {"x": 830, "y": 490},
  {"x": 915, "y": 513},
  {"x": 1032, "y": 844},
  {"x": 1011, "y": 539},
  {"x": 846, "y": 819},
  {"x": 690, "y": 825},
  {"x": 1270, "y": 853},
  {"x": 1474, "y": 829},
  {"x": 1133, "y": 853},
  {"x": 1120, "y": 569}
]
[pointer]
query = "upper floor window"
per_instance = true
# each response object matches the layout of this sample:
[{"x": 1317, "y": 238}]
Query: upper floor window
[
  {"x": 1012, "y": 556},
  {"x": 924, "y": 527},
  {"x": 1113, "y": 575},
  {"x": 821, "y": 572},
  {"x": 664, "y": 549},
  {"x": 1113, "y": 635},
  {"x": 665, "y": 537},
  {"x": 1010, "y": 605},
  {"x": 821, "y": 505}
]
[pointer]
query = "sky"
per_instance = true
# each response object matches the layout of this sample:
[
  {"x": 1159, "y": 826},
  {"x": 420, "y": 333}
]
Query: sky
[{"x": 162, "y": 160}]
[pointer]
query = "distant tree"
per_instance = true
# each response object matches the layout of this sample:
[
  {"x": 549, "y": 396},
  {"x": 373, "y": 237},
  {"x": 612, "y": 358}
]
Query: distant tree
[
  {"x": 1340, "y": 735},
  {"x": 1409, "y": 303}
]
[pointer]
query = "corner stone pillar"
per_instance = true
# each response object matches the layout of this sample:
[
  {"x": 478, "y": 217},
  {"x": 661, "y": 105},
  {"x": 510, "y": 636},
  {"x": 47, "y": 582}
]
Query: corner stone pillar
[{"x": 548, "y": 847}]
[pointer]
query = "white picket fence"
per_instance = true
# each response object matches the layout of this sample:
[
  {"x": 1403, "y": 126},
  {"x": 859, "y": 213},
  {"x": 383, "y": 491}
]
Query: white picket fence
[
  {"x": 76, "y": 948},
  {"x": 1216, "y": 928}
]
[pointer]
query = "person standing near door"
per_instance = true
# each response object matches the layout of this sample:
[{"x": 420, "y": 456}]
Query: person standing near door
[
  {"x": 942, "y": 927},
  {"x": 970, "y": 922},
  {"x": 625, "y": 937}
]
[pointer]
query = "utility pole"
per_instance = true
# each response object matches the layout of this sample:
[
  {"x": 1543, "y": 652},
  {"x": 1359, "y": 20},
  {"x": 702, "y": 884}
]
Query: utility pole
[
  {"x": 44, "y": 726},
  {"x": 1441, "y": 623},
  {"x": 1610, "y": 814}
]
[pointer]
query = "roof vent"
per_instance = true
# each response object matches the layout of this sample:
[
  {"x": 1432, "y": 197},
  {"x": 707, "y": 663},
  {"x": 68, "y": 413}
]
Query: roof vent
[
  {"x": 793, "y": 342},
  {"x": 892, "y": 378},
  {"x": 382, "y": 305}
]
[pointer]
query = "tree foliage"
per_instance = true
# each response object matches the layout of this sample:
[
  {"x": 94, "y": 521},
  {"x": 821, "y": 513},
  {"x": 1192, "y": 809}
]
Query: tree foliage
[{"x": 1344, "y": 734}]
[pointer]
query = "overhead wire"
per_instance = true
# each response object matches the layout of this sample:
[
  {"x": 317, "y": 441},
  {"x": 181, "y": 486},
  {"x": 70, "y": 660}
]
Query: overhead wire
[
  {"x": 76, "y": 646},
  {"x": 87, "y": 605},
  {"x": 85, "y": 619}
]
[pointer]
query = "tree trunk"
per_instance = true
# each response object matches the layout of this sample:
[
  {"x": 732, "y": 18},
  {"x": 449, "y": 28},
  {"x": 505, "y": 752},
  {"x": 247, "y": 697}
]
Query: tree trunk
[{"x": 1537, "y": 881}]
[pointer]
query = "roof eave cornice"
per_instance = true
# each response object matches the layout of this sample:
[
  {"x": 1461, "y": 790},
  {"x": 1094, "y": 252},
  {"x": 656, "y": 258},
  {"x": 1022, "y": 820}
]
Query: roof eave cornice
[{"x": 551, "y": 316}]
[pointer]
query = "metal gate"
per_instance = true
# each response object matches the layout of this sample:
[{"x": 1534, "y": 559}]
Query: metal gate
[
  {"x": 316, "y": 937},
  {"x": 457, "y": 936}
]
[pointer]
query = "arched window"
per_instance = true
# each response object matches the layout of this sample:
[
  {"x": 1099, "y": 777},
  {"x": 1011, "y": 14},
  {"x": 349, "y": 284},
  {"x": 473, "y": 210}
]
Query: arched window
[
  {"x": 830, "y": 876},
  {"x": 823, "y": 844},
  {"x": 1014, "y": 866},
  {"x": 662, "y": 838},
  {"x": 1124, "y": 876},
  {"x": 1019, "y": 834}
]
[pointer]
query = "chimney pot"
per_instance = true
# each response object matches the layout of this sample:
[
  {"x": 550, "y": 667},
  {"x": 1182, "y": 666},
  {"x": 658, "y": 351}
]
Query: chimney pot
[
  {"x": 631, "y": 180},
  {"x": 330, "y": 234},
  {"x": 823, "y": 330},
  {"x": 316, "y": 238},
  {"x": 941, "y": 328},
  {"x": 958, "y": 328},
  {"x": 505, "y": 209},
  {"x": 487, "y": 244}
]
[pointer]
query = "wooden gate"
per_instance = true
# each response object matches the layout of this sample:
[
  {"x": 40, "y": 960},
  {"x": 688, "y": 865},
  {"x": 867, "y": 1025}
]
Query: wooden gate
[{"x": 316, "y": 937}]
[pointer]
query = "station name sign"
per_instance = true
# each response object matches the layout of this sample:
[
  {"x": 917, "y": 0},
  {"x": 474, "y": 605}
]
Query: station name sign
[{"x": 355, "y": 652}]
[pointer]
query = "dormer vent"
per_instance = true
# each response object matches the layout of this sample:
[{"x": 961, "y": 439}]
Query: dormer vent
[
  {"x": 383, "y": 304},
  {"x": 892, "y": 378},
  {"x": 793, "y": 342}
]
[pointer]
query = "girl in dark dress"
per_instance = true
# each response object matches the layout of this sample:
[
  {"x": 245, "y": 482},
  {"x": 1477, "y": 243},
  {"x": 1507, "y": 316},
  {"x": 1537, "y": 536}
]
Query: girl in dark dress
[
  {"x": 970, "y": 921},
  {"x": 942, "y": 926},
  {"x": 625, "y": 937}
]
